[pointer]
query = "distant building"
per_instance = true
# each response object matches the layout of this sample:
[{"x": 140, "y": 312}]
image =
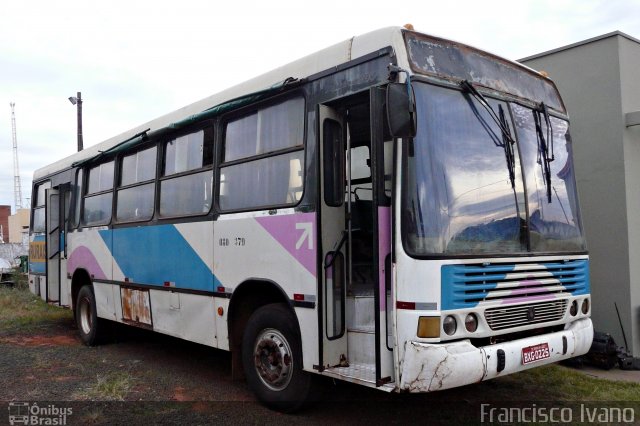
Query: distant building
[
  {"x": 19, "y": 227},
  {"x": 5, "y": 212},
  {"x": 598, "y": 79}
]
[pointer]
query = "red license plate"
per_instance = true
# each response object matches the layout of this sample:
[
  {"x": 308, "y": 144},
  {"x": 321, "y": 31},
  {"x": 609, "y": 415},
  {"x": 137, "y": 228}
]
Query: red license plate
[{"x": 535, "y": 353}]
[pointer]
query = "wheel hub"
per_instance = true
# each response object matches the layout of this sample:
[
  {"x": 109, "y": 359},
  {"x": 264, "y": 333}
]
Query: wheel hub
[{"x": 272, "y": 359}]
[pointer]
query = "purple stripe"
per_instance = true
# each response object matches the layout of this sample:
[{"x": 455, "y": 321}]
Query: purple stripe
[
  {"x": 384, "y": 248},
  {"x": 82, "y": 257},
  {"x": 296, "y": 234},
  {"x": 528, "y": 299}
]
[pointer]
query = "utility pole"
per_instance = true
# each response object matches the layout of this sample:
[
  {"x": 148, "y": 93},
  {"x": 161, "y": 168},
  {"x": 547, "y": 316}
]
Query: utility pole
[
  {"x": 77, "y": 101},
  {"x": 17, "y": 188}
]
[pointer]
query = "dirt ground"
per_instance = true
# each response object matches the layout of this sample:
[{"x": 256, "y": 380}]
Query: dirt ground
[{"x": 147, "y": 378}]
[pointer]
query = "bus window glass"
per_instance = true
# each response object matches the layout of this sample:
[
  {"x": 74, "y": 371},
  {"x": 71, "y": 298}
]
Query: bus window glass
[
  {"x": 186, "y": 195},
  {"x": 100, "y": 178},
  {"x": 138, "y": 167},
  {"x": 135, "y": 203},
  {"x": 271, "y": 129},
  {"x": 40, "y": 200},
  {"x": 334, "y": 179},
  {"x": 38, "y": 220},
  {"x": 39, "y": 211},
  {"x": 77, "y": 193},
  {"x": 97, "y": 209},
  {"x": 264, "y": 182},
  {"x": 188, "y": 152}
]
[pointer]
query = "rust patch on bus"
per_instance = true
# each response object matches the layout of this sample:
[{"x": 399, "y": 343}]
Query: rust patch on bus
[{"x": 136, "y": 307}]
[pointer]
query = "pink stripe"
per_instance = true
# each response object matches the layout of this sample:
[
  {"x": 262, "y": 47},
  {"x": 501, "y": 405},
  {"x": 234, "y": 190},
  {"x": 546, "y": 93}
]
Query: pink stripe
[
  {"x": 296, "y": 233},
  {"x": 82, "y": 257},
  {"x": 528, "y": 299},
  {"x": 384, "y": 248}
]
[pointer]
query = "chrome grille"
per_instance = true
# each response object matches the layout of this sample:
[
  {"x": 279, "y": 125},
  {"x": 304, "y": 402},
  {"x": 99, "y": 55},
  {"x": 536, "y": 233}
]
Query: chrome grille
[{"x": 501, "y": 318}]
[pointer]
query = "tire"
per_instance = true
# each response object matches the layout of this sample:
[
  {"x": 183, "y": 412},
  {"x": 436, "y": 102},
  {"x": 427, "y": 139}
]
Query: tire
[
  {"x": 93, "y": 330},
  {"x": 272, "y": 359}
]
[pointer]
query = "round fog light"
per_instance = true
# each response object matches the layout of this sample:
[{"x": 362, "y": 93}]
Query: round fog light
[
  {"x": 471, "y": 323},
  {"x": 449, "y": 325},
  {"x": 574, "y": 308},
  {"x": 585, "y": 306}
]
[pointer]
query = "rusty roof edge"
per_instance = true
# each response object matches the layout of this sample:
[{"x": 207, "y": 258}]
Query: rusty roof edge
[{"x": 580, "y": 43}]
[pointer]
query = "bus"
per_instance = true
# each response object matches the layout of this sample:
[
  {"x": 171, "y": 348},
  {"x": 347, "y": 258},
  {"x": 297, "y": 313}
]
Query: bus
[{"x": 398, "y": 211}]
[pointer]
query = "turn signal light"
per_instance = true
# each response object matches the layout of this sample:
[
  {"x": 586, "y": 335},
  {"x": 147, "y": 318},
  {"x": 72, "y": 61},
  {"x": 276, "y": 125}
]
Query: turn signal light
[{"x": 429, "y": 327}]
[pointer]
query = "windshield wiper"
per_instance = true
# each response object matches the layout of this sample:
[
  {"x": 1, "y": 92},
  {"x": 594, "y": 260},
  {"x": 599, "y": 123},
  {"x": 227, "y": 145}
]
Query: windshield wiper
[
  {"x": 545, "y": 145},
  {"x": 500, "y": 120}
]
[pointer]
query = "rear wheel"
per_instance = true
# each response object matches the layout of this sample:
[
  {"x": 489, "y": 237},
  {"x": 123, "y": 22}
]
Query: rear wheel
[
  {"x": 272, "y": 358},
  {"x": 93, "y": 330}
]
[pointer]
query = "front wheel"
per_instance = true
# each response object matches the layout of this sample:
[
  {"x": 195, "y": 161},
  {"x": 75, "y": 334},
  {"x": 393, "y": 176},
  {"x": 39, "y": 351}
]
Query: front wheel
[
  {"x": 93, "y": 330},
  {"x": 272, "y": 358}
]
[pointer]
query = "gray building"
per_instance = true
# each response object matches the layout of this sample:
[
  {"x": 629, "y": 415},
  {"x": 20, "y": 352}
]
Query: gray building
[{"x": 599, "y": 80}]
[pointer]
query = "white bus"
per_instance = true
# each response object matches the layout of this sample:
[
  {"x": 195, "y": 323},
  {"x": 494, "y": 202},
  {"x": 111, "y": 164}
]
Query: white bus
[{"x": 397, "y": 210}]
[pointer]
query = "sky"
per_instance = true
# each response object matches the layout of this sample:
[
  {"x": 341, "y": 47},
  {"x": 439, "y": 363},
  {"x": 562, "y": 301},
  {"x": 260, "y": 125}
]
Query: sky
[{"x": 136, "y": 60}]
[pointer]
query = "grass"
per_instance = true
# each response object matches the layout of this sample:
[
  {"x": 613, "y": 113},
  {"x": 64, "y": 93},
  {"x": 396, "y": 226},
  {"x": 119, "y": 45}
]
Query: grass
[
  {"x": 19, "y": 308},
  {"x": 112, "y": 386},
  {"x": 559, "y": 383}
]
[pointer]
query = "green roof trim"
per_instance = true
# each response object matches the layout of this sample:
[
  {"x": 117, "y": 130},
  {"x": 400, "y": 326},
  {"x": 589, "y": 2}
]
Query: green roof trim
[{"x": 208, "y": 113}]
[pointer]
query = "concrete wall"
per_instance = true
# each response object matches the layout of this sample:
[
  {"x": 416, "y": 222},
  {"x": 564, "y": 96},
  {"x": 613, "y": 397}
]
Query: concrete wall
[
  {"x": 630, "y": 90},
  {"x": 18, "y": 226},
  {"x": 589, "y": 79}
]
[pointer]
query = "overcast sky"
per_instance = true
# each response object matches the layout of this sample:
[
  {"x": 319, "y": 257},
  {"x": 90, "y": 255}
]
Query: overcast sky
[{"x": 136, "y": 60}]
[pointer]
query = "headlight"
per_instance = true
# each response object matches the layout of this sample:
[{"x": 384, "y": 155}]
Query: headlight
[
  {"x": 471, "y": 323},
  {"x": 449, "y": 325},
  {"x": 585, "y": 306},
  {"x": 574, "y": 308}
]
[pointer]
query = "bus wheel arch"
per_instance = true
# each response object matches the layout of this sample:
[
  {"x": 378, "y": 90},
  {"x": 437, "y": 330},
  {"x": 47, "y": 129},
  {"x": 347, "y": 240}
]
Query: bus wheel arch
[
  {"x": 92, "y": 330},
  {"x": 248, "y": 297},
  {"x": 272, "y": 358},
  {"x": 80, "y": 278}
]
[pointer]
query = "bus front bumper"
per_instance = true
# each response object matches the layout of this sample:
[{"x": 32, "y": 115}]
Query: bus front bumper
[{"x": 428, "y": 367}]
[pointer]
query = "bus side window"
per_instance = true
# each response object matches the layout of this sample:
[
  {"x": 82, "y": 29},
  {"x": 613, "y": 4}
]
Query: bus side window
[
  {"x": 99, "y": 197},
  {"x": 184, "y": 194},
  {"x": 135, "y": 199},
  {"x": 263, "y": 157}
]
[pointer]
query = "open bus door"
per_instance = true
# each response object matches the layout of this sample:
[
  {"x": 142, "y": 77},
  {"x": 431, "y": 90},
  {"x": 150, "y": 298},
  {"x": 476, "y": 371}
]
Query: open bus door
[
  {"x": 57, "y": 211},
  {"x": 52, "y": 220},
  {"x": 333, "y": 238},
  {"x": 356, "y": 310}
]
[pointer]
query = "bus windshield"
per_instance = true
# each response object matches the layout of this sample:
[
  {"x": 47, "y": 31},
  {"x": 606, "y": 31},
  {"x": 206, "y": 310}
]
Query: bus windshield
[{"x": 459, "y": 195}]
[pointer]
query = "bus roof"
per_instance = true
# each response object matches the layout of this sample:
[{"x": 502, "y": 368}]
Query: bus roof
[{"x": 324, "y": 59}]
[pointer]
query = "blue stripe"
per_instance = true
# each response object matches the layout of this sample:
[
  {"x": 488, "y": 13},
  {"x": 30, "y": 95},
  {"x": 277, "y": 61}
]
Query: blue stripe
[
  {"x": 464, "y": 286},
  {"x": 156, "y": 254}
]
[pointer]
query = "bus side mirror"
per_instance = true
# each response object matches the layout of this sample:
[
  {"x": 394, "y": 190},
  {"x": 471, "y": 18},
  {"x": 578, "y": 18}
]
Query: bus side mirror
[{"x": 401, "y": 110}]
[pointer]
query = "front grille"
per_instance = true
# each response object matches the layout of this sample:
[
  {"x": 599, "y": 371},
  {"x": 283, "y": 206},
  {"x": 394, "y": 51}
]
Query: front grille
[
  {"x": 490, "y": 284},
  {"x": 501, "y": 318}
]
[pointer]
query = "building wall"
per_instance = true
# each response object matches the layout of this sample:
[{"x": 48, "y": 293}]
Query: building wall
[
  {"x": 5, "y": 212},
  {"x": 589, "y": 79},
  {"x": 18, "y": 225},
  {"x": 630, "y": 90}
]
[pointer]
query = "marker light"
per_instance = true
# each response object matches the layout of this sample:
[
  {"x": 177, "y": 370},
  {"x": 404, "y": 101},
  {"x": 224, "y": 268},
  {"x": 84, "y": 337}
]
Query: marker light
[
  {"x": 574, "y": 308},
  {"x": 471, "y": 323},
  {"x": 429, "y": 327},
  {"x": 449, "y": 325}
]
